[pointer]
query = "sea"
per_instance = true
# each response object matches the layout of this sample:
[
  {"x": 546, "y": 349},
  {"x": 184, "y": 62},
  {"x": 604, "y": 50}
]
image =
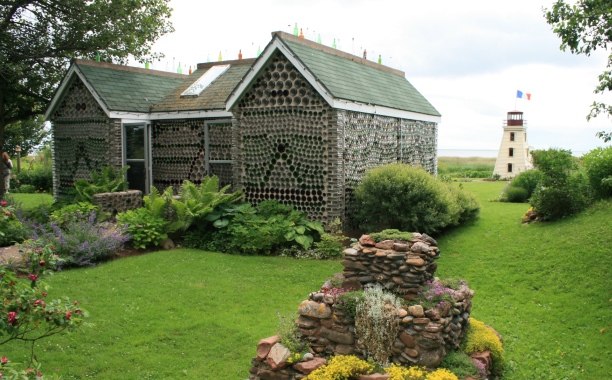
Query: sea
[{"x": 487, "y": 153}]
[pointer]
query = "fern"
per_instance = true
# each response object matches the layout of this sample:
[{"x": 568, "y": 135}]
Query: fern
[{"x": 109, "y": 180}]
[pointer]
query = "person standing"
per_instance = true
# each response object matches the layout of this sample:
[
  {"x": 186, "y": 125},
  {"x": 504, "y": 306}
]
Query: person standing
[{"x": 7, "y": 166}]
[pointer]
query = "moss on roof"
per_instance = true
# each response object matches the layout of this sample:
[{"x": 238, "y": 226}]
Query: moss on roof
[
  {"x": 352, "y": 80},
  {"x": 123, "y": 88}
]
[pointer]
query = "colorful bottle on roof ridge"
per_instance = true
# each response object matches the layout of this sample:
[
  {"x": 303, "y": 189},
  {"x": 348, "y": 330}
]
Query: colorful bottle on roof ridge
[
  {"x": 180, "y": 69},
  {"x": 97, "y": 56},
  {"x": 295, "y": 30},
  {"x": 379, "y": 60},
  {"x": 220, "y": 56},
  {"x": 240, "y": 54},
  {"x": 334, "y": 43},
  {"x": 301, "y": 33},
  {"x": 319, "y": 38},
  {"x": 365, "y": 54},
  {"x": 258, "y": 51}
]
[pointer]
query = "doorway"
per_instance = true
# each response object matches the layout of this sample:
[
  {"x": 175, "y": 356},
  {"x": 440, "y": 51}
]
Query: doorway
[{"x": 137, "y": 155}]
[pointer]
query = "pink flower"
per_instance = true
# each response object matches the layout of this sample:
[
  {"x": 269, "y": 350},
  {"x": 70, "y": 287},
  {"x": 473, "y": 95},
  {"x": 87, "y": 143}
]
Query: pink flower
[
  {"x": 39, "y": 302},
  {"x": 33, "y": 277},
  {"x": 68, "y": 315},
  {"x": 4, "y": 360},
  {"x": 3, "y": 203},
  {"x": 12, "y": 317}
]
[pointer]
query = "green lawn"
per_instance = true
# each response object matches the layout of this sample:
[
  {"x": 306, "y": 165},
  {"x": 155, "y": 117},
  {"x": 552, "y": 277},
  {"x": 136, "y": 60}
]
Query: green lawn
[
  {"x": 29, "y": 201},
  {"x": 196, "y": 315}
]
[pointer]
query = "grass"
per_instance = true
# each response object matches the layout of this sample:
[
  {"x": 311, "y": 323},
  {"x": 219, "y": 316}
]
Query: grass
[
  {"x": 189, "y": 314},
  {"x": 457, "y": 166},
  {"x": 30, "y": 201},
  {"x": 175, "y": 314},
  {"x": 545, "y": 287}
]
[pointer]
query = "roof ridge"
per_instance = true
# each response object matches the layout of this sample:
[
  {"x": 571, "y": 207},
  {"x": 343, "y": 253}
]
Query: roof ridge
[
  {"x": 114, "y": 66},
  {"x": 246, "y": 61},
  {"x": 339, "y": 53}
]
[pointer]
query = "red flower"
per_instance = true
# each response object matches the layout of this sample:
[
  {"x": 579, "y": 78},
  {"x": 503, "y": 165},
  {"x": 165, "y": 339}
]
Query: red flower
[
  {"x": 44, "y": 294},
  {"x": 7, "y": 213},
  {"x": 33, "y": 277},
  {"x": 68, "y": 315},
  {"x": 76, "y": 302},
  {"x": 42, "y": 263},
  {"x": 12, "y": 317},
  {"x": 4, "y": 360},
  {"x": 39, "y": 302},
  {"x": 3, "y": 203}
]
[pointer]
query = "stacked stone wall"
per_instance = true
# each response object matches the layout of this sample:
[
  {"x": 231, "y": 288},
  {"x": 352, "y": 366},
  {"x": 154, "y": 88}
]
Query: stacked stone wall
[
  {"x": 114, "y": 203},
  {"x": 401, "y": 267}
]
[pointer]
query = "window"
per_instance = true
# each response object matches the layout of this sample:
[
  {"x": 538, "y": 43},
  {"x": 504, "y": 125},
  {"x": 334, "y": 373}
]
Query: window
[
  {"x": 204, "y": 81},
  {"x": 511, "y": 136},
  {"x": 509, "y": 168},
  {"x": 511, "y": 152}
]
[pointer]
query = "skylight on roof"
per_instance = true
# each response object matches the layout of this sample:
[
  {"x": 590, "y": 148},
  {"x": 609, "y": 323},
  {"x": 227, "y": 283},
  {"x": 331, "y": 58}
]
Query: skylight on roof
[{"x": 205, "y": 80}]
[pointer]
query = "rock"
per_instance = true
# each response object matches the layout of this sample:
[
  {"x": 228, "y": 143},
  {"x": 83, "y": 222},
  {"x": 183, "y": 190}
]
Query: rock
[
  {"x": 402, "y": 313},
  {"x": 375, "y": 376},
  {"x": 351, "y": 284},
  {"x": 369, "y": 251},
  {"x": 421, "y": 321},
  {"x": 386, "y": 244},
  {"x": 265, "y": 374},
  {"x": 344, "y": 349},
  {"x": 407, "y": 319},
  {"x": 367, "y": 241},
  {"x": 416, "y": 261},
  {"x": 433, "y": 327},
  {"x": 416, "y": 311},
  {"x": 485, "y": 358},
  {"x": 338, "y": 337},
  {"x": 398, "y": 280},
  {"x": 329, "y": 299},
  {"x": 277, "y": 356},
  {"x": 401, "y": 247},
  {"x": 444, "y": 309},
  {"x": 350, "y": 252},
  {"x": 314, "y": 309},
  {"x": 382, "y": 253},
  {"x": 428, "y": 239},
  {"x": 308, "y": 366},
  {"x": 352, "y": 264},
  {"x": 167, "y": 244},
  {"x": 264, "y": 346},
  {"x": 317, "y": 297},
  {"x": 396, "y": 256},
  {"x": 433, "y": 314},
  {"x": 432, "y": 359},
  {"x": 306, "y": 323},
  {"x": 419, "y": 247},
  {"x": 411, "y": 352},
  {"x": 407, "y": 339},
  {"x": 307, "y": 356}
]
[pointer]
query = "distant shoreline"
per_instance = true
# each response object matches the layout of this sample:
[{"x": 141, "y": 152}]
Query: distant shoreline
[{"x": 484, "y": 153}]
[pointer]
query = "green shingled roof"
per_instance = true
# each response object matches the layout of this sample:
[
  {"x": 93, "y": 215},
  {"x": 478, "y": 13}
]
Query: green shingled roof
[
  {"x": 213, "y": 97},
  {"x": 124, "y": 88},
  {"x": 351, "y": 80}
]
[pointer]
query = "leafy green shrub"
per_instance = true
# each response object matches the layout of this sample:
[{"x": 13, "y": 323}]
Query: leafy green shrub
[
  {"x": 109, "y": 180},
  {"x": 461, "y": 365},
  {"x": 561, "y": 191},
  {"x": 515, "y": 194},
  {"x": 528, "y": 180},
  {"x": 76, "y": 211},
  {"x": 391, "y": 234},
  {"x": 144, "y": 228},
  {"x": 26, "y": 189},
  {"x": 409, "y": 199},
  {"x": 41, "y": 179},
  {"x": 469, "y": 206},
  {"x": 330, "y": 246},
  {"x": 11, "y": 229},
  {"x": 598, "y": 166}
]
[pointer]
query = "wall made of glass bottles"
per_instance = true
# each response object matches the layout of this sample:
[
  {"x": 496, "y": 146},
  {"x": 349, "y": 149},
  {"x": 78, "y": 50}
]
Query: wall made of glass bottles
[
  {"x": 82, "y": 139},
  {"x": 374, "y": 140},
  {"x": 283, "y": 143},
  {"x": 179, "y": 151}
]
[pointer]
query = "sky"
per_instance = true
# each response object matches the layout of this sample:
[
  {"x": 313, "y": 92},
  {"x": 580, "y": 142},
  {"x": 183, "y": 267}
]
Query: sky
[{"x": 468, "y": 58}]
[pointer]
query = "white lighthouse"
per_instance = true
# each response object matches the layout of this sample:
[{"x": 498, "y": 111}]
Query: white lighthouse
[{"x": 513, "y": 156}]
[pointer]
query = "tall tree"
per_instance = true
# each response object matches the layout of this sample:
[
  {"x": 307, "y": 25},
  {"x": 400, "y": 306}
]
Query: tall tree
[
  {"x": 28, "y": 134},
  {"x": 584, "y": 28},
  {"x": 38, "y": 38}
]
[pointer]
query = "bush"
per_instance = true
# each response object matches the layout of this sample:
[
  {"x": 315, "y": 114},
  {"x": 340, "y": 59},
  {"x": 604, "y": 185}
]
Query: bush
[
  {"x": 109, "y": 180},
  {"x": 11, "y": 229},
  {"x": 561, "y": 191},
  {"x": 391, "y": 234},
  {"x": 342, "y": 367},
  {"x": 515, "y": 195},
  {"x": 76, "y": 211},
  {"x": 26, "y": 189},
  {"x": 330, "y": 247},
  {"x": 83, "y": 241},
  {"x": 527, "y": 180},
  {"x": 461, "y": 365},
  {"x": 598, "y": 166},
  {"x": 407, "y": 198},
  {"x": 143, "y": 227},
  {"x": 478, "y": 338},
  {"x": 41, "y": 179}
]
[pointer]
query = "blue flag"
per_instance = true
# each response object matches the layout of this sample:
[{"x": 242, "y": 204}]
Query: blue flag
[{"x": 519, "y": 94}]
